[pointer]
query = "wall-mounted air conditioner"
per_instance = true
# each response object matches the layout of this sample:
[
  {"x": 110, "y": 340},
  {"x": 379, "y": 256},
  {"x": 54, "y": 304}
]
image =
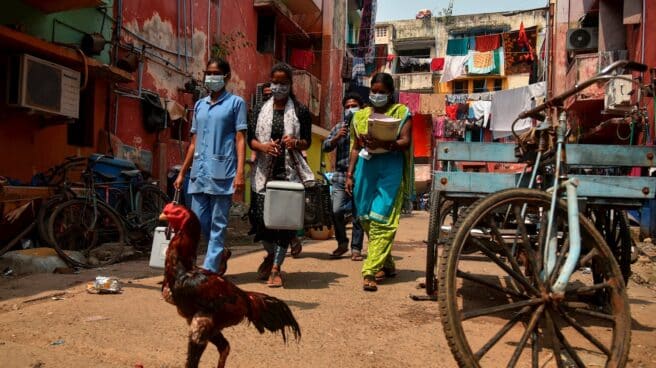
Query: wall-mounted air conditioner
[
  {"x": 44, "y": 86},
  {"x": 582, "y": 39}
]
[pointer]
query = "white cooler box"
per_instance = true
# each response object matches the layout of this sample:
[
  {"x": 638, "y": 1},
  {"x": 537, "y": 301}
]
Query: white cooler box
[
  {"x": 284, "y": 205},
  {"x": 158, "y": 251}
]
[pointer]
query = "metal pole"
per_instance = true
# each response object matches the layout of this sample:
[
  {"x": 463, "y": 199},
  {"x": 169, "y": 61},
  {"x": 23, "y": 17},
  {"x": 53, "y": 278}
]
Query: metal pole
[
  {"x": 184, "y": 31},
  {"x": 177, "y": 32}
]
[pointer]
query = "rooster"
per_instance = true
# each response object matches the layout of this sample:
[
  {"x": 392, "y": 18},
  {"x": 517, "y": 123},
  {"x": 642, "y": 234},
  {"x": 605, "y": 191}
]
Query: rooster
[{"x": 209, "y": 302}]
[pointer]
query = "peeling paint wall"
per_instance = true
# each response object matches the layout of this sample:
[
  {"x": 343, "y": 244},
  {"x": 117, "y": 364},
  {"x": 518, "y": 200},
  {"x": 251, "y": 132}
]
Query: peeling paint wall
[{"x": 161, "y": 26}]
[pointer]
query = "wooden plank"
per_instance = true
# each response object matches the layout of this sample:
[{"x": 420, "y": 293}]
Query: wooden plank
[
  {"x": 472, "y": 182},
  {"x": 623, "y": 187},
  {"x": 590, "y": 155},
  {"x": 610, "y": 155}
]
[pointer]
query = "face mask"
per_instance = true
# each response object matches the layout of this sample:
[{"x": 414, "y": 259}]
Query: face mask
[
  {"x": 214, "y": 83},
  {"x": 279, "y": 91},
  {"x": 350, "y": 111},
  {"x": 378, "y": 99}
]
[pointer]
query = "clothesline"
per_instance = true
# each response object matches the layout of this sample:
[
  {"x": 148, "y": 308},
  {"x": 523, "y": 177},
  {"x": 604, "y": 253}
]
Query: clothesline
[{"x": 370, "y": 28}]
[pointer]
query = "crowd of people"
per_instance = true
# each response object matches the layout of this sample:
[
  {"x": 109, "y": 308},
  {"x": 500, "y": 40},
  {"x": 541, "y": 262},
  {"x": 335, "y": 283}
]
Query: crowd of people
[{"x": 371, "y": 178}]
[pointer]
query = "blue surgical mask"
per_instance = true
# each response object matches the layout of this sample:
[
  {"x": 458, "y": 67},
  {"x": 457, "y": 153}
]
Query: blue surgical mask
[
  {"x": 214, "y": 83},
  {"x": 348, "y": 113},
  {"x": 378, "y": 99},
  {"x": 280, "y": 91}
]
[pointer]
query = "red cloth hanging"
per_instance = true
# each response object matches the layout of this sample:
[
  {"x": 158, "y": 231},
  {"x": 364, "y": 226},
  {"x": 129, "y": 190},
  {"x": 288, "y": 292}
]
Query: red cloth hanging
[
  {"x": 437, "y": 64},
  {"x": 422, "y": 135},
  {"x": 302, "y": 59},
  {"x": 487, "y": 43},
  {"x": 452, "y": 111},
  {"x": 389, "y": 60},
  {"x": 523, "y": 42}
]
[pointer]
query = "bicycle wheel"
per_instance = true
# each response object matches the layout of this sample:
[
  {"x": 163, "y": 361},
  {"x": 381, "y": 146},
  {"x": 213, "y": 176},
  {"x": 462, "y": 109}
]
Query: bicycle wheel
[
  {"x": 150, "y": 202},
  {"x": 78, "y": 225},
  {"x": 536, "y": 327},
  {"x": 46, "y": 209}
]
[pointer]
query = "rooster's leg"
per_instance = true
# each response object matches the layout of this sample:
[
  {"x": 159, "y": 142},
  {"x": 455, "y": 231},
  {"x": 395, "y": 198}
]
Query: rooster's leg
[
  {"x": 200, "y": 329},
  {"x": 224, "y": 348}
]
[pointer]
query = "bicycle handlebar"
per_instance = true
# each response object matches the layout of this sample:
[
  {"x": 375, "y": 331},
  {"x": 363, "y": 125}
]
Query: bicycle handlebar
[{"x": 603, "y": 75}]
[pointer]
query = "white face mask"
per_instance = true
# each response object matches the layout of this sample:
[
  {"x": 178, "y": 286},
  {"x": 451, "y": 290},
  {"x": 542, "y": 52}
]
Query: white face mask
[
  {"x": 378, "y": 99},
  {"x": 214, "y": 83},
  {"x": 280, "y": 91},
  {"x": 353, "y": 110}
]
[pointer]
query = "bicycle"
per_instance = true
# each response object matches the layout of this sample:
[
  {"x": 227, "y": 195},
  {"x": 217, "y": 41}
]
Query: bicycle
[
  {"x": 548, "y": 267},
  {"x": 84, "y": 224}
]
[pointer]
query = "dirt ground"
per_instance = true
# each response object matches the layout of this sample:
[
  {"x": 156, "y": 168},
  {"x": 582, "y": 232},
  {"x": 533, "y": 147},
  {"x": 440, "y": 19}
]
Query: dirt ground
[{"x": 51, "y": 321}]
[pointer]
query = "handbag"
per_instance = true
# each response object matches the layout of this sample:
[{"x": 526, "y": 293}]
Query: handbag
[{"x": 318, "y": 205}]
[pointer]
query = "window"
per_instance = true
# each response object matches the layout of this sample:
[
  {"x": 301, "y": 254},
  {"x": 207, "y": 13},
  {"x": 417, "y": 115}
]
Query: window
[
  {"x": 460, "y": 87},
  {"x": 381, "y": 32},
  {"x": 480, "y": 86},
  {"x": 498, "y": 84},
  {"x": 266, "y": 33}
]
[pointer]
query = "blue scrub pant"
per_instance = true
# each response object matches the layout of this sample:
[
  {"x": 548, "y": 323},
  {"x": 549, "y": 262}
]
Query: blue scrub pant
[{"x": 213, "y": 212}]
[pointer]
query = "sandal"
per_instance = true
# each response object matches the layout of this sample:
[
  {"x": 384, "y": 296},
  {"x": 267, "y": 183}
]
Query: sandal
[
  {"x": 356, "y": 255},
  {"x": 339, "y": 252},
  {"x": 296, "y": 248},
  {"x": 275, "y": 281},
  {"x": 369, "y": 284},
  {"x": 264, "y": 270},
  {"x": 385, "y": 273}
]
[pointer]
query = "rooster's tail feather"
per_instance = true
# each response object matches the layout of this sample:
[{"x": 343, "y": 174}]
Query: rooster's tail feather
[{"x": 272, "y": 314}]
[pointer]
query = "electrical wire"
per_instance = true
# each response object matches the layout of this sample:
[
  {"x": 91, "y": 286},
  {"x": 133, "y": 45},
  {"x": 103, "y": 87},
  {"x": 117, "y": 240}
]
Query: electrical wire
[{"x": 86, "y": 68}]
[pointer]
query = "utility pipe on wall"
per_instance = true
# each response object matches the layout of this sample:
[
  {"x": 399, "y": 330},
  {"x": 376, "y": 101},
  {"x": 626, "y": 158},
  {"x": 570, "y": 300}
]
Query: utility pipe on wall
[
  {"x": 184, "y": 31},
  {"x": 177, "y": 32}
]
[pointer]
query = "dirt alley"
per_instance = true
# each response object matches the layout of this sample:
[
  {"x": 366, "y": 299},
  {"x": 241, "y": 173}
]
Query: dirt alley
[{"x": 51, "y": 321}]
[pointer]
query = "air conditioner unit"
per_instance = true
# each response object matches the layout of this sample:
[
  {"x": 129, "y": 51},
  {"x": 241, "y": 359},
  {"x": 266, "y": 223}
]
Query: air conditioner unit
[
  {"x": 43, "y": 86},
  {"x": 582, "y": 39},
  {"x": 618, "y": 95}
]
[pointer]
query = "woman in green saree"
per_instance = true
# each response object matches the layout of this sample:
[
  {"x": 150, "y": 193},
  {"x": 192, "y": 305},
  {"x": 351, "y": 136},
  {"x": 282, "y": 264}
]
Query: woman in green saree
[{"x": 380, "y": 177}]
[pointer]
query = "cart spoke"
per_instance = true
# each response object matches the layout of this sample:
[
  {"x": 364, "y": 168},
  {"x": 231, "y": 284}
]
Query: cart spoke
[
  {"x": 587, "y": 289},
  {"x": 588, "y": 257},
  {"x": 535, "y": 350},
  {"x": 515, "y": 275},
  {"x": 527, "y": 244},
  {"x": 570, "y": 350},
  {"x": 480, "y": 280},
  {"x": 501, "y": 333},
  {"x": 522, "y": 342},
  {"x": 572, "y": 322},
  {"x": 500, "y": 308},
  {"x": 551, "y": 326},
  {"x": 559, "y": 261},
  {"x": 584, "y": 308}
]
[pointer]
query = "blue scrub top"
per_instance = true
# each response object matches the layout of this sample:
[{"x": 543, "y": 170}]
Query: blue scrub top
[{"x": 215, "y": 157}]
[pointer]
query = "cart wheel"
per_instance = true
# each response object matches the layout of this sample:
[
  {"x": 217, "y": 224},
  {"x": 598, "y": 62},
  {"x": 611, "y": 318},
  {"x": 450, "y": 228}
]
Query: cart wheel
[
  {"x": 614, "y": 226},
  {"x": 536, "y": 326},
  {"x": 77, "y": 225},
  {"x": 434, "y": 235}
]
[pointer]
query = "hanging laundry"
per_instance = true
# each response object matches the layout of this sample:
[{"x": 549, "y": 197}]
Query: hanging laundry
[
  {"x": 457, "y": 98},
  {"x": 463, "y": 111},
  {"x": 367, "y": 34},
  {"x": 381, "y": 57},
  {"x": 437, "y": 64},
  {"x": 454, "y": 67},
  {"x": 508, "y": 104},
  {"x": 457, "y": 46},
  {"x": 481, "y": 96},
  {"x": 438, "y": 126},
  {"x": 432, "y": 103},
  {"x": 358, "y": 67},
  {"x": 481, "y": 109},
  {"x": 302, "y": 59},
  {"x": 347, "y": 67},
  {"x": 452, "y": 111},
  {"x": 480, "y": 62},
  {"x": 422, "y": 126},
  {"x": 411, "y": 100},
  {"x": 487, "y": 43},
  {"x": 390, "y": 59},
  {"x": 519, "y": 49}
]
